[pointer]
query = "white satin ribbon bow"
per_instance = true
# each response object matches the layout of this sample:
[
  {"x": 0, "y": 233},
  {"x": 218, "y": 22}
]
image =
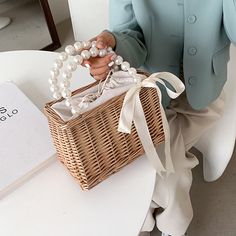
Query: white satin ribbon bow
[{"x": 132, "y": 111}]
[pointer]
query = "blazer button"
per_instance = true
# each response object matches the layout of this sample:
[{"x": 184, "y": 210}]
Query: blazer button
[
  {"x": 192, "y": 19},
  {"x": 192, "y": 80},
  {"x": 192, "y": 51}
]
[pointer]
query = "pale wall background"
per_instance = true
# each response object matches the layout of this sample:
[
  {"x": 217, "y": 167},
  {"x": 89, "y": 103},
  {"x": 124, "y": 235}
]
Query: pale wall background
[
  {"x": 88, "y": 17},
  {"x": 60, "y": 10}
]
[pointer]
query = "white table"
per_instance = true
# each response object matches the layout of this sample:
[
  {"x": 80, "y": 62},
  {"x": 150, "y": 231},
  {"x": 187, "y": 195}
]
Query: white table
[{"x": 51, "y": 202}]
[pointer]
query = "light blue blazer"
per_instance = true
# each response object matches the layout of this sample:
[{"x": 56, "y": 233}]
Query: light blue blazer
[{"x": 156, "y": 35}]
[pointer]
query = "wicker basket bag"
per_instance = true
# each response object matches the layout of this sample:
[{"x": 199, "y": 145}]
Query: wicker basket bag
[{"x": 89, "y": 143}]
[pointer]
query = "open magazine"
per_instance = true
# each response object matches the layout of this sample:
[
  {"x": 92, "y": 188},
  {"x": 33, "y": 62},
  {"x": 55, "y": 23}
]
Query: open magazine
[{"x": 25, "y": 142}]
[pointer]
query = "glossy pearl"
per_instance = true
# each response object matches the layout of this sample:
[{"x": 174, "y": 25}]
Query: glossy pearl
[
  {"x": 84, "y": 51},
  {"x": 72, "y": 66},
  {"x": 94, "y": 51},
  {"x": 56, "y": 95},
  {"x": 54, "y": 88},
  {"x": 66, "y": 93},
  {"x": 85, "y": 54},
  {"x": 118, "y": 60},
  {"x": 52, "y": 81},
  {"x": 94, "y": 44},
  {"x": 54, "y": 72},
  {"x": 78, "y": 46},
  {"x": 66, "y": 74},
  {"x": 63, "y": 56},
  {"x": 132, "y": 71},
  {"x": 102, "y": 53},
  {"x": 58, "y": 64},
  {"x": 78, "y": 59},
  {"x": 70, "y": 50},
  {"x": 65, "y": 84},
  {"x": 86, "y": 45},
  {"x": 125, "y": 66}
]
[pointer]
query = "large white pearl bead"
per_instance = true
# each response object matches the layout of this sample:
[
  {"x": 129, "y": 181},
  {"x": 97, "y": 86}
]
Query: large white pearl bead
[
  {"x": 52, "y": 81},
  {"x": 86, "y": 45},
  {"x": 54, "y": 72},
  {"x": 85, "y": 54},
  {"x": 125, "y": 66},
  {"x": 58, "y": 64},
  {"x": 118, "y": 60},
  {"x": 72, "y": 66},
  {"x": 78, "y": 59},
  {"x": 54, "y": 88},
  {"x": 94, "y": 51},
  {"x": 63, "y": 56},
  {"x": 70, "y": 50},
  {"x": 65, "y": 84},
  {"x": 132, "y": 71},
  {"x": 78, "y": 46},
  {"x": 102, "y": 53},
  {"x": 94, "y": 44},
  {"x": 66, "y": 93},
  {"x": 57, "y": 95},
  {"x": 66, "y": 74}
]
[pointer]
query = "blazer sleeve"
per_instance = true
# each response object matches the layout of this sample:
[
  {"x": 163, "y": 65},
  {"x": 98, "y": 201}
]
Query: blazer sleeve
[
  {"x": 129, "y": 37},
  {"x": 229, "y": 14}
]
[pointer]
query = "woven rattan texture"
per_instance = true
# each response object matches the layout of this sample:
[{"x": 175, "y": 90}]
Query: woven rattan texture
[{"x": 91, "y": 147}]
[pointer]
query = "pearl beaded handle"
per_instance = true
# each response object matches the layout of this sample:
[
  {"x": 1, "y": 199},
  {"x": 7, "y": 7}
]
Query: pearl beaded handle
[{"x": 80, "y": 51}]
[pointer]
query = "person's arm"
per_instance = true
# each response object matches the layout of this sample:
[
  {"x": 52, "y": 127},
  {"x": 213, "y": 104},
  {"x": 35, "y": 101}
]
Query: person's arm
[
  {"x": 229, "y": 14},
  {"x": 129, "y": 37}
]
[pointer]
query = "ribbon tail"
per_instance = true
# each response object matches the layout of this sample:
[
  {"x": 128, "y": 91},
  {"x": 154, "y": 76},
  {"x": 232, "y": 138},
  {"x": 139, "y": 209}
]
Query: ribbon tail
[
  {"x": 132, "y": 111},
  {"x": 127, "y": 110},
  {"x": 179, "y": 88},
  {"x": 169, "y": 163},
  {"x": 145, "y": 138}
]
